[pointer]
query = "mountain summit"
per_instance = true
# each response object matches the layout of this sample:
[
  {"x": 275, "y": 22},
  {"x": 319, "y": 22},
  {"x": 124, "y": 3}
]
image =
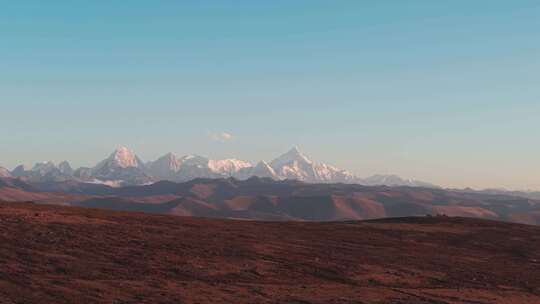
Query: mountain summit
[
  {"x": 120, "y": 158},
  {"x": 120, "y": 168},
  {"x": 262, "y": 169},
  {"x": 295, "y": 165},
  {"x": 124, "y": 167},
  {"x": 165, "y": 167},
  {"x": 289, "y": 158}
]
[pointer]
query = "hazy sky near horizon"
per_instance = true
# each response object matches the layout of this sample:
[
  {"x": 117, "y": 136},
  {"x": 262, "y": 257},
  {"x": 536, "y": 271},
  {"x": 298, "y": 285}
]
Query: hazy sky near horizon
[{"x": 442, "y": 91}]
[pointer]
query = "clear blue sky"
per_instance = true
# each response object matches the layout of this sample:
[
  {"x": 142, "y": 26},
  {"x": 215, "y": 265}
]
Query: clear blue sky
[{"x": 444, "y": 91}]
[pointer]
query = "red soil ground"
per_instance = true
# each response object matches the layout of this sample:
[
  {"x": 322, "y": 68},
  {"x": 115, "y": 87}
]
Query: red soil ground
[{"x": 55, "y": 254}]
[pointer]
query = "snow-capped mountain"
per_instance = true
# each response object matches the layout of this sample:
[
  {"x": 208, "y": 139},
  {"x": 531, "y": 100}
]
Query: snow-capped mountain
[
  {"x": 195, "y": 166},
  {"x": 121, "y": 158},
  {"x": 165, "y": 167},
  {"x": 123, "y": 167},
  {"x": 295, "y": 165},
  {"x": 170, "y": 167},
  {"x": 4, "y": 172},
  {"x": 262, "y": 169},
  {"x": 330, "y": 174},
  {"x": 228, "y": 167},
  {"x": 393, "y": 181},
  {"x": 44, "y": 172}
]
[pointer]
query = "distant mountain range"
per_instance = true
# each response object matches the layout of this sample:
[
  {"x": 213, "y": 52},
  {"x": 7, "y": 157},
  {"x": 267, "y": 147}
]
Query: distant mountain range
[{"x": 124, "y": 168}]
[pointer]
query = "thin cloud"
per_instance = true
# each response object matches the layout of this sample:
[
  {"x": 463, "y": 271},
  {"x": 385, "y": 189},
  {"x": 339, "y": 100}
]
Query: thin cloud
[{"x": 221, "y": 136}]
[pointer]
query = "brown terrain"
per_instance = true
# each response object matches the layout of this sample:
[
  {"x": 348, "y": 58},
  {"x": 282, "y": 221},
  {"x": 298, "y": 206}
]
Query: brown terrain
[
  {"x": 263, "y": 199},
  {"x": 58, "y": 254}
]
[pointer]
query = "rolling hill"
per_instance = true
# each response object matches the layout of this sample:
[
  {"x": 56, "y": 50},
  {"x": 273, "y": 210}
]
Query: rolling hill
[
  {"x": 267, "y": 199},
  {"x": 56, "y": 254}
]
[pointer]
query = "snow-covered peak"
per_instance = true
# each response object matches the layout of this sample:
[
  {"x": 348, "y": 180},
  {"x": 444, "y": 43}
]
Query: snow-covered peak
[
  {"x": 262, "y": 164},
  {"x": 124, "y": 158},
  {"x": 228, "y": 166},
  {"x": 294, "y": 155},
  {"x": 194, "y": 160},
  {"x": 120, "y": 158},
  {"x": 295, "y": 165},
  {"x": 169, "y": 160},
  {"x": 218, "y": 167},
  {"x": 165, "y": 167},
  {"x": 394, "y": 180},
  {"x": 263, "y": 169},
  {"x": 329, "y": 173},
  {"x": 124, "y": 165}
]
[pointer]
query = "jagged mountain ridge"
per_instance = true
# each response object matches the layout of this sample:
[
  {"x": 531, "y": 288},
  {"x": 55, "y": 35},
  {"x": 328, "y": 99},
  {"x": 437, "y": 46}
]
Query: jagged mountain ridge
[
  {"x": 123, "y": 167},
  {"x": 393, "y": 180},
  {"x": 47, "y": 171},
  {"x": 262, "y": 169}
]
